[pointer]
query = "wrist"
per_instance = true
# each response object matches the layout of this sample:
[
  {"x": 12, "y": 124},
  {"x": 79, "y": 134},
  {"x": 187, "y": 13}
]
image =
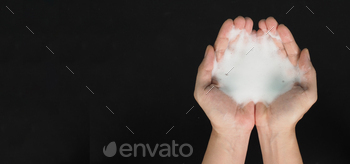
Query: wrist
[
  {"x": 226, "y": 148},
  {"x": 276, "y": 130},
  {"x": 232, "y": 134},
  {"x": 275, "y": 135},
  {"x": 237, "y": 139},
  {"x": 279, "y": 145}
]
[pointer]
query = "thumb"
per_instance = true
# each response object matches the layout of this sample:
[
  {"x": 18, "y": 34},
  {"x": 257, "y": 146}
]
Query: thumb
[
  {"x": 308, "y": 79},
  {"x": 304, "y": 61},
  {"x": 205, "y": 69}
]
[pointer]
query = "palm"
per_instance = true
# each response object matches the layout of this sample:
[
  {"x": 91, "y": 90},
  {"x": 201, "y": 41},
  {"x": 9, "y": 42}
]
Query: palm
[
  {"x": 225, "y": 114},
  {"x": 286, "y": 110}
]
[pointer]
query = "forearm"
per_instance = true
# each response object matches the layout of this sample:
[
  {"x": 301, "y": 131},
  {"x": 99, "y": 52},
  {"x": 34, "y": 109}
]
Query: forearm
[
  {"x": 227, "y": 149},
  {"x": 279, "y": 146}
]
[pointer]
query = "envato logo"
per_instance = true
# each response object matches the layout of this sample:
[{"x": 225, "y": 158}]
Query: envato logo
[{"x": 165, "y": 150}]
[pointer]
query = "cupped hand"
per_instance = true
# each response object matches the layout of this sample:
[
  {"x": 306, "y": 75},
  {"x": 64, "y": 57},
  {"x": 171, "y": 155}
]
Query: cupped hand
[
  {"x": 286, "y": 110},
  {"x": 226, "y": 116}
]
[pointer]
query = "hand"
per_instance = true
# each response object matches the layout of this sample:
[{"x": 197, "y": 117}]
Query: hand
[
  {"x": 225, "y": 115},
  {"x": 232, "y": 124},
  {"x": 285, "y": 111},
  {"x": 276, "y": 122}
]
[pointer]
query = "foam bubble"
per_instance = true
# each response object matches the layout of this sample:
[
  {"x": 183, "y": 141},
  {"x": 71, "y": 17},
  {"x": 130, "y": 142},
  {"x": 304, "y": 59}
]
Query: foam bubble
[{"x": 253, "y": 70}]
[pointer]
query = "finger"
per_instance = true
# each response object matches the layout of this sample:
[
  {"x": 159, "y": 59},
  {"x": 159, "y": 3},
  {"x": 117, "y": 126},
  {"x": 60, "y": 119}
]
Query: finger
[
  {"x": 271, "y": 25},
  {"x": 221, "y": 42},
  {"x": 253, "y": 32},
  {"x": 262, "y": 28},
  {"x": 308, "y": 81},
  {"x": 260, "y": 32},
  {"x": 289, "y": 44},
  {"x": 204, "y": 70},
  {"x": 239, "y": 22},
  {"x": 248, "y": 24},
  {"x": 262, "y": 25},
  {"x": 279, "y": 44}
]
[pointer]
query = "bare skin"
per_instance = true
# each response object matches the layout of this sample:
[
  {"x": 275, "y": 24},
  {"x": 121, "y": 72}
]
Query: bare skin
[
  {"x": 276, "y": 122},
  {"x": 232, "y": 124}
]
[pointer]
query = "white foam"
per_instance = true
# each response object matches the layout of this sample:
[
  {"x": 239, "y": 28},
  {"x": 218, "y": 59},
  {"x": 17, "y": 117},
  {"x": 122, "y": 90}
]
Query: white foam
[{"x": 260, "y": 75}]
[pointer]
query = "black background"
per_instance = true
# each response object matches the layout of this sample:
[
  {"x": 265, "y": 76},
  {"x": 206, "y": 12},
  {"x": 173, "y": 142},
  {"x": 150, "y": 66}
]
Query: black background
[{"x": 140, "y": 59}]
